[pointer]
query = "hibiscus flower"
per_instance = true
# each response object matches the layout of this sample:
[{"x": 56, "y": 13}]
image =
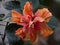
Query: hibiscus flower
[{"x": 33, "y": 23}]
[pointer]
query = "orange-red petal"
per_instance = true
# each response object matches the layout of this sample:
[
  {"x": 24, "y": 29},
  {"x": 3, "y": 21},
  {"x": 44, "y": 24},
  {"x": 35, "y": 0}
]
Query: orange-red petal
[
  {"x": 43, "y": 14},
  {"x": 33, "y": 37},
  {"x": 16, "y": 16},
  {"x": 45, "y": 31},
  {"x": 28, "y": 9},
  {"x": 20, "y": 33}
]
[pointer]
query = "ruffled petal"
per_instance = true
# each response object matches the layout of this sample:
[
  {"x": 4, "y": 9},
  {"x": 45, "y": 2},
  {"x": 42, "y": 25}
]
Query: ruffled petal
[
  {"x": 27, "y": 19},
  {"x": 45, "y": 30},
  {"x": 28, "y": 11},
  {"x": 33, "y": 36},
  {"x": 43, "y": 14},
  {"x": 38, "y": 19},
  {"x": 20, "y": 33},
  {"x": 16, "y": 17}
]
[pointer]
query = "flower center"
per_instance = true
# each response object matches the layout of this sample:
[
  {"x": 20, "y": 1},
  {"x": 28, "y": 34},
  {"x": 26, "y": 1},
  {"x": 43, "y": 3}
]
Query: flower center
[{"x": 31, "y": 24}]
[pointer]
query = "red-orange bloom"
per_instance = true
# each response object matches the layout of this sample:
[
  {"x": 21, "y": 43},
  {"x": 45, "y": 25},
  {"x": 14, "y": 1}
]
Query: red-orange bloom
[{"x": 32, "y": 23}]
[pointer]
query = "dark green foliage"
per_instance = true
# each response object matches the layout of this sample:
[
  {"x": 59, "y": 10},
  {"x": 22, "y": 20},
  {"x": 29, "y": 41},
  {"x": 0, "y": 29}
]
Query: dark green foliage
[
  {"x": 53, "y": 23},
  {"x": 45, "y": 2},
  {"x": 12, "y": 37},
  {"x": 27, "y": 43},
  {"x": 0, "y": 0},
  {"x": 10, "y": 5}
]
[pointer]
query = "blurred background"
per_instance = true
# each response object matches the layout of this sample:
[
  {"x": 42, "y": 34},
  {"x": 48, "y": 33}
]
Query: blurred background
[{"x": 5, "y": 15}]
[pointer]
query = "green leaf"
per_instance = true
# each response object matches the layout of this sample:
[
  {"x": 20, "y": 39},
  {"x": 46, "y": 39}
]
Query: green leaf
[
  {"x": 12, "y": 37},
  {"x": 27, "y": 43},
  {"x": 53, "y": 23}
]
